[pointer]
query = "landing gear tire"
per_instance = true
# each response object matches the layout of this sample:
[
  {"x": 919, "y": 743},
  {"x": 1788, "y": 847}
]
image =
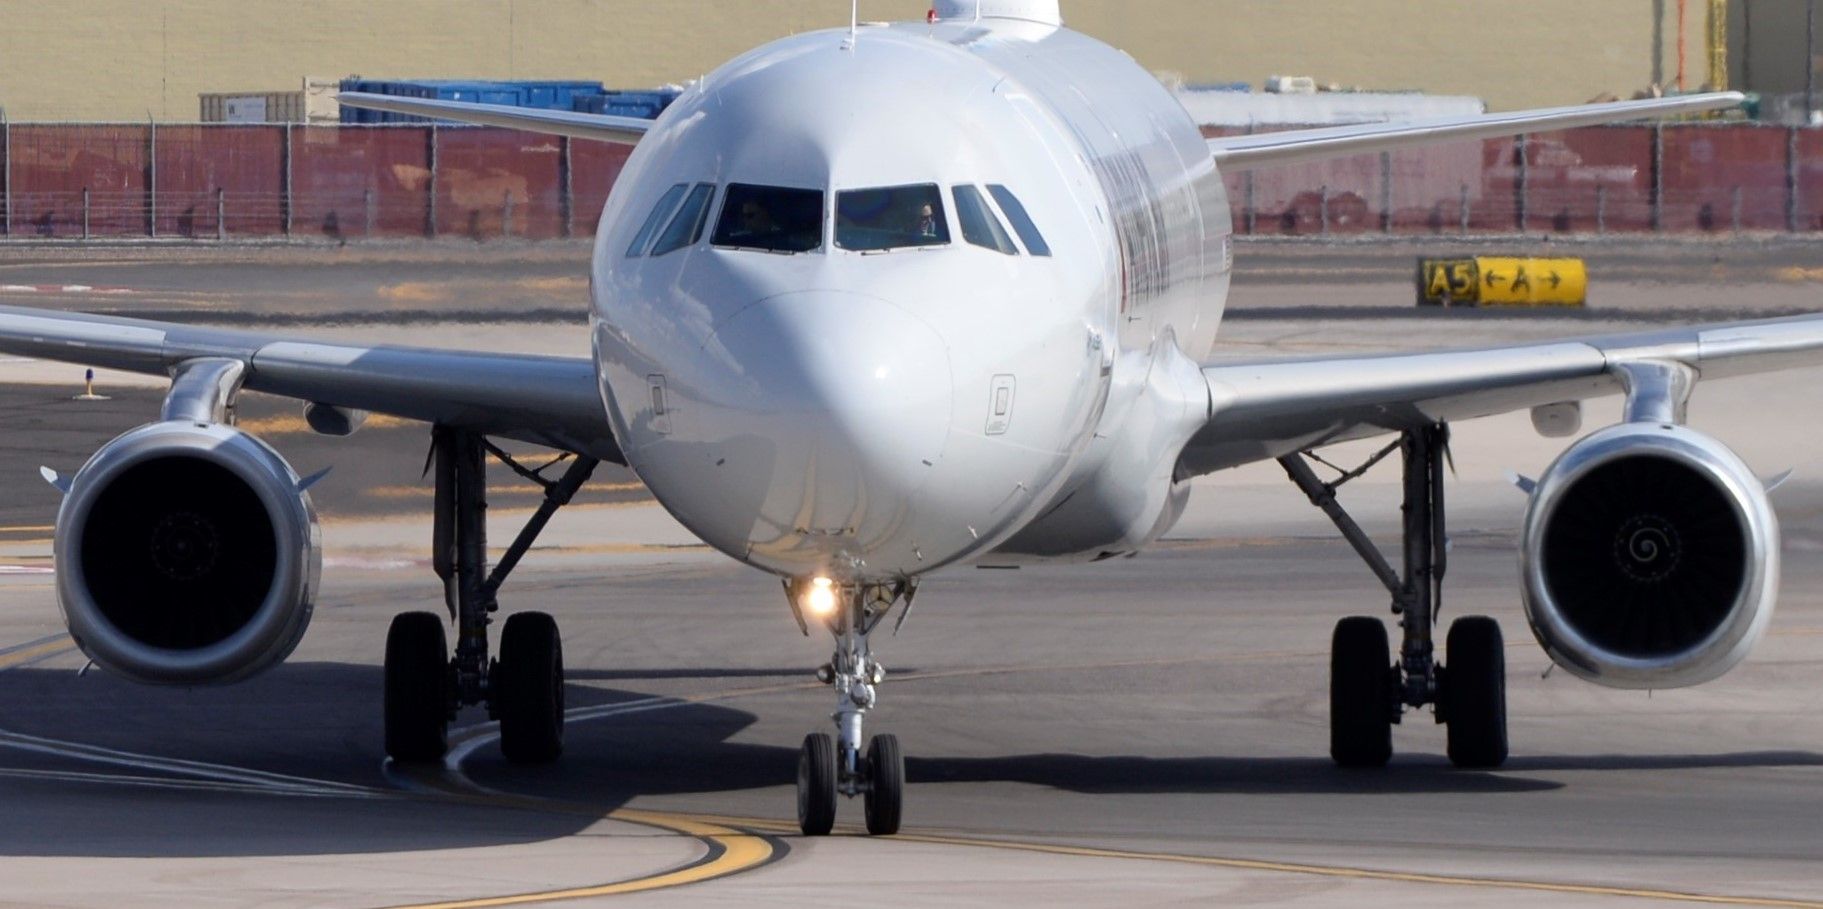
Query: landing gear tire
[
  {"x": 817, "y": 785},
  {"x": 1360, "y": 694},
  {"x": 528, "y": 689},
  {"x": 1474, "y": 693},
  {"x": 417, "y": 688},
  {"x": 886, "y": 785}
]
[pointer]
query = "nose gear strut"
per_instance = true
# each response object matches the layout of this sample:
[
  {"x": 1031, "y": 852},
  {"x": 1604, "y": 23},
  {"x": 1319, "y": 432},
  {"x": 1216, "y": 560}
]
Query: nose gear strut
[{"x": 829, "y": 767}]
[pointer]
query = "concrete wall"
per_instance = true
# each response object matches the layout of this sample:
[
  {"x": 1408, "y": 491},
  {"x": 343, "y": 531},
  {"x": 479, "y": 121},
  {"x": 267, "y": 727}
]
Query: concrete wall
[
  {"x": 1767, "y": 45},
  {"x": 130, "y": 59}
]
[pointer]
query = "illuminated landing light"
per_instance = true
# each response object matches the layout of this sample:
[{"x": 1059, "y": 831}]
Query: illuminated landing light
[{"x": 821, "y": 600}]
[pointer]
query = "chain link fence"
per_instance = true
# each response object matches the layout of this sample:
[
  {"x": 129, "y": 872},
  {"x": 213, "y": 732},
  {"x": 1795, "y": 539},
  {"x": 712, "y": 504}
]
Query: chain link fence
[
  {"x": 1682, "y": 178},
  {"x": 236, "y": 181}
]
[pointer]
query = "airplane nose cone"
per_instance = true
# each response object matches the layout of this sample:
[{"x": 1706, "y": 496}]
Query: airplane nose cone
[{"x": 842, "y": 408}]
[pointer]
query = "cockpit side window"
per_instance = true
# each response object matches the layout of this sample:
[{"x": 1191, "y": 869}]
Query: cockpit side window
[
  {"x": 771, "y": 219},
  {"x": 687, "y": 226},
  {"x": 979, "y": 225},
  {"x": 666, "y": 203},
  {"x": 895, "y": 217},
  {"x": 1022, "y": 222}
]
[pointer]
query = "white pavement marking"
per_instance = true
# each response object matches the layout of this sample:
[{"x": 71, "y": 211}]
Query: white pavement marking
[
  {"x": 62, "y": 289},
  {"x": 158, "y": 782},
  {"x": 219, "y": 773}
]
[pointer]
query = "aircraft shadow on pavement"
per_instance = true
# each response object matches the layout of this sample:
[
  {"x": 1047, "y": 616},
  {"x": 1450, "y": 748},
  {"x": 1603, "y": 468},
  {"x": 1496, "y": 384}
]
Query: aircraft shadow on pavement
[
  {"x": 1406, "y": 775},
  {"x": 319, "y": 722},
  {"x": 1738, "y": 760},
  {"x": 1134, "y": 774}
]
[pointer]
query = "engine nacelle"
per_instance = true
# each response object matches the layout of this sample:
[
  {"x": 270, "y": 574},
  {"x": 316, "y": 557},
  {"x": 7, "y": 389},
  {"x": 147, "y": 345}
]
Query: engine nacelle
[
  {"x": 186, "y": 554},
  {"x": 1650, "y": 558}
]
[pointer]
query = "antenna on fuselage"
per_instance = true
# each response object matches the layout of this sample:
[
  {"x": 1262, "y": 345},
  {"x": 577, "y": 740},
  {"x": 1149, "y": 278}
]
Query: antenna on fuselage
[{"x": 854, "y": 22}]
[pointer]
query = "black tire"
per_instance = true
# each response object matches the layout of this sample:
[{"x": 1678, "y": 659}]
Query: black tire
[
  {"x": 1475, "y": 693},
  {"x": 417, "y": 688},
  {"x": 1360, "y": 694},
  {"x": 528, "y": 689},
  {"x": 817, "y": 785},
  {"x": 886, "y": 795}
]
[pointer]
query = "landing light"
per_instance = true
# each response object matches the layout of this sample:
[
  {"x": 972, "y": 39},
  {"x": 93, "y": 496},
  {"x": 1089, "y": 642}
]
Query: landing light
[{"x": 821, "y": 600}]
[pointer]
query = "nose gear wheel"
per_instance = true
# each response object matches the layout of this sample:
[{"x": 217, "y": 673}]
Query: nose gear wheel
[{"x": 817, "y": 785}]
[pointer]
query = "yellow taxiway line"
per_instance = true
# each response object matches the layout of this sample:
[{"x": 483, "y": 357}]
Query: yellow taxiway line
[
  {"x": 736, "y": 845},
  {"x": 731, "y": 851},
  {"x": 29, "y": 652}
]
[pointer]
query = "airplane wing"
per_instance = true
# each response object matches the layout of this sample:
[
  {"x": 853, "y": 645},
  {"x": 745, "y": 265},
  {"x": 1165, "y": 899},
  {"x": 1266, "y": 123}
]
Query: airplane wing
[
  {"x": 603, "y": 127},
  {"x": 1238, "y": 153},
  {"x": 550, "y": 401},
  {"x": 1266, "y": 409}
]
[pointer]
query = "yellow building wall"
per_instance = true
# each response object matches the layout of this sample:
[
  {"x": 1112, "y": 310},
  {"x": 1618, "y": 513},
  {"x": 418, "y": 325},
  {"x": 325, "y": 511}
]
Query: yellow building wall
[{"x": 133, "y": 59}]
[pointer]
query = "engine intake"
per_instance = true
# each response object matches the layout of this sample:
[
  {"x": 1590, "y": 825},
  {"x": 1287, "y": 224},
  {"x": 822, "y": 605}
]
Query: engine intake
[
  {"x": 186, "y": 554},
  {"x": 1649, "y": 558}
]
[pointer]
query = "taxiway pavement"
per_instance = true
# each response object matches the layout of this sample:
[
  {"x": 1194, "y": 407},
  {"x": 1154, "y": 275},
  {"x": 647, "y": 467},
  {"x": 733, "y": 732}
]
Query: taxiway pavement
[{"x": 1143, "y": 731}]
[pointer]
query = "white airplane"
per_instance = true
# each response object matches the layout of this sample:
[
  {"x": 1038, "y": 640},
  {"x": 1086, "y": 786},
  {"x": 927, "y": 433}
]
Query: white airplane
[{"x": 874, "y": 301}]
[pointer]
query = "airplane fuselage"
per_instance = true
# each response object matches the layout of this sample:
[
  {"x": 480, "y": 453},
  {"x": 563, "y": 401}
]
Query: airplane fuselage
[{"x": 868, "y": 305}]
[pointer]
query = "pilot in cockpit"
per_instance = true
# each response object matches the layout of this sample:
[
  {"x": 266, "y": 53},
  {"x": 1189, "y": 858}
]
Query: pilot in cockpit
[
  {"x": 927, "y": 222},
  {"x": 756, "y": 221}
]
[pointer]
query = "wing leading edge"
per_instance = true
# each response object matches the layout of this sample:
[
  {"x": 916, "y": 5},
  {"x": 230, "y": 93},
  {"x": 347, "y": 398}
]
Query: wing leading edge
[
  {"x": 1267, "y": 409},
  {"x": 602, "y": 127},
  {"x": 1237, "y": 153},
  {"x": 550, "y": 401}
]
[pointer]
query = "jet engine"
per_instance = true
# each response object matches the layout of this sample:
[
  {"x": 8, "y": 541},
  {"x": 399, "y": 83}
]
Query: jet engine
[
  {"x": 187, "y": 553},
  {"x": 1650, "y": 558}
]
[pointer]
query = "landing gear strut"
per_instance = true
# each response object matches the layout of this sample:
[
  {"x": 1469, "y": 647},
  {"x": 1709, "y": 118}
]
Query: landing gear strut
[
  {"x": 523, "y": 688},
  {"x": 1368, "y": 692},
  {"x": 830, "y": 766}
]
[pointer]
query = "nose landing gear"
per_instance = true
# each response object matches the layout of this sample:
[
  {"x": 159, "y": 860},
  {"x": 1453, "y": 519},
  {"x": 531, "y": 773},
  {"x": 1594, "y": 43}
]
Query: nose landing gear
[{"x": 830, "y": 766}]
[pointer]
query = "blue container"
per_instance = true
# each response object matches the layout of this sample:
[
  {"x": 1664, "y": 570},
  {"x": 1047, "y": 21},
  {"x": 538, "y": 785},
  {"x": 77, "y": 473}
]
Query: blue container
[
  {"x": 545, "y": 94},
  {"x": 644, "y": 104},
  {"x": 1243, "y": 87}
]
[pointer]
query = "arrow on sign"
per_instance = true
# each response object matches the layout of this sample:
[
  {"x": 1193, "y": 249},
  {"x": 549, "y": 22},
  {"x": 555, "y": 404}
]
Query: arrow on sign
[
  {"x": 1555, "y": 280},
  {"x": 1493, "y": 278}
]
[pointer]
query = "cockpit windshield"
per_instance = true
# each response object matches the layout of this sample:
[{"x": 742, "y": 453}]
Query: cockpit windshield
[
  {"x": 771, "y": 219},
  {"x": 896, "y": 217}
]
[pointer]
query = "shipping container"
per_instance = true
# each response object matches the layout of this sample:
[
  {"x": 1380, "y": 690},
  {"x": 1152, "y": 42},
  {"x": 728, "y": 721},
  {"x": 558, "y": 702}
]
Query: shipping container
[
  {"x": 645, "y": 104},
  {"x": 545, "y": 94},
  {"x": 252, "y": 107},
  {"x": 314, "y": 102}
]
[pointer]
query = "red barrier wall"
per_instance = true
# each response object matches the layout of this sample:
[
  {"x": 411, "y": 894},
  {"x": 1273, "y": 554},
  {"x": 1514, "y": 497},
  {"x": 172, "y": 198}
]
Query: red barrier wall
[
  {"x": 413, "y": 181},
  {"x": 490, "y": 180},
  {"x": 360, "y": 182},
  {"x": 232, "y": 174},
  {"x": 52, "y": 164},
  {"x": 594, "y": 166},
  {"x": 1703, "y": 169}
]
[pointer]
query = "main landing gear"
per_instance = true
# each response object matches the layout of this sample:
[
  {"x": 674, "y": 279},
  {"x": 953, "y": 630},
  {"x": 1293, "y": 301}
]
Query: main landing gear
[
  {"x": 830, "y": 766},
  {"x": 523, "y": 687},
  {"x": 1368, "y": 691}
]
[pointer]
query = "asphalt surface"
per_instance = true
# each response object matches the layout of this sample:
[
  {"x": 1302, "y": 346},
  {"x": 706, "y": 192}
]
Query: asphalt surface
[{"x": 1143, "y": 731}]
